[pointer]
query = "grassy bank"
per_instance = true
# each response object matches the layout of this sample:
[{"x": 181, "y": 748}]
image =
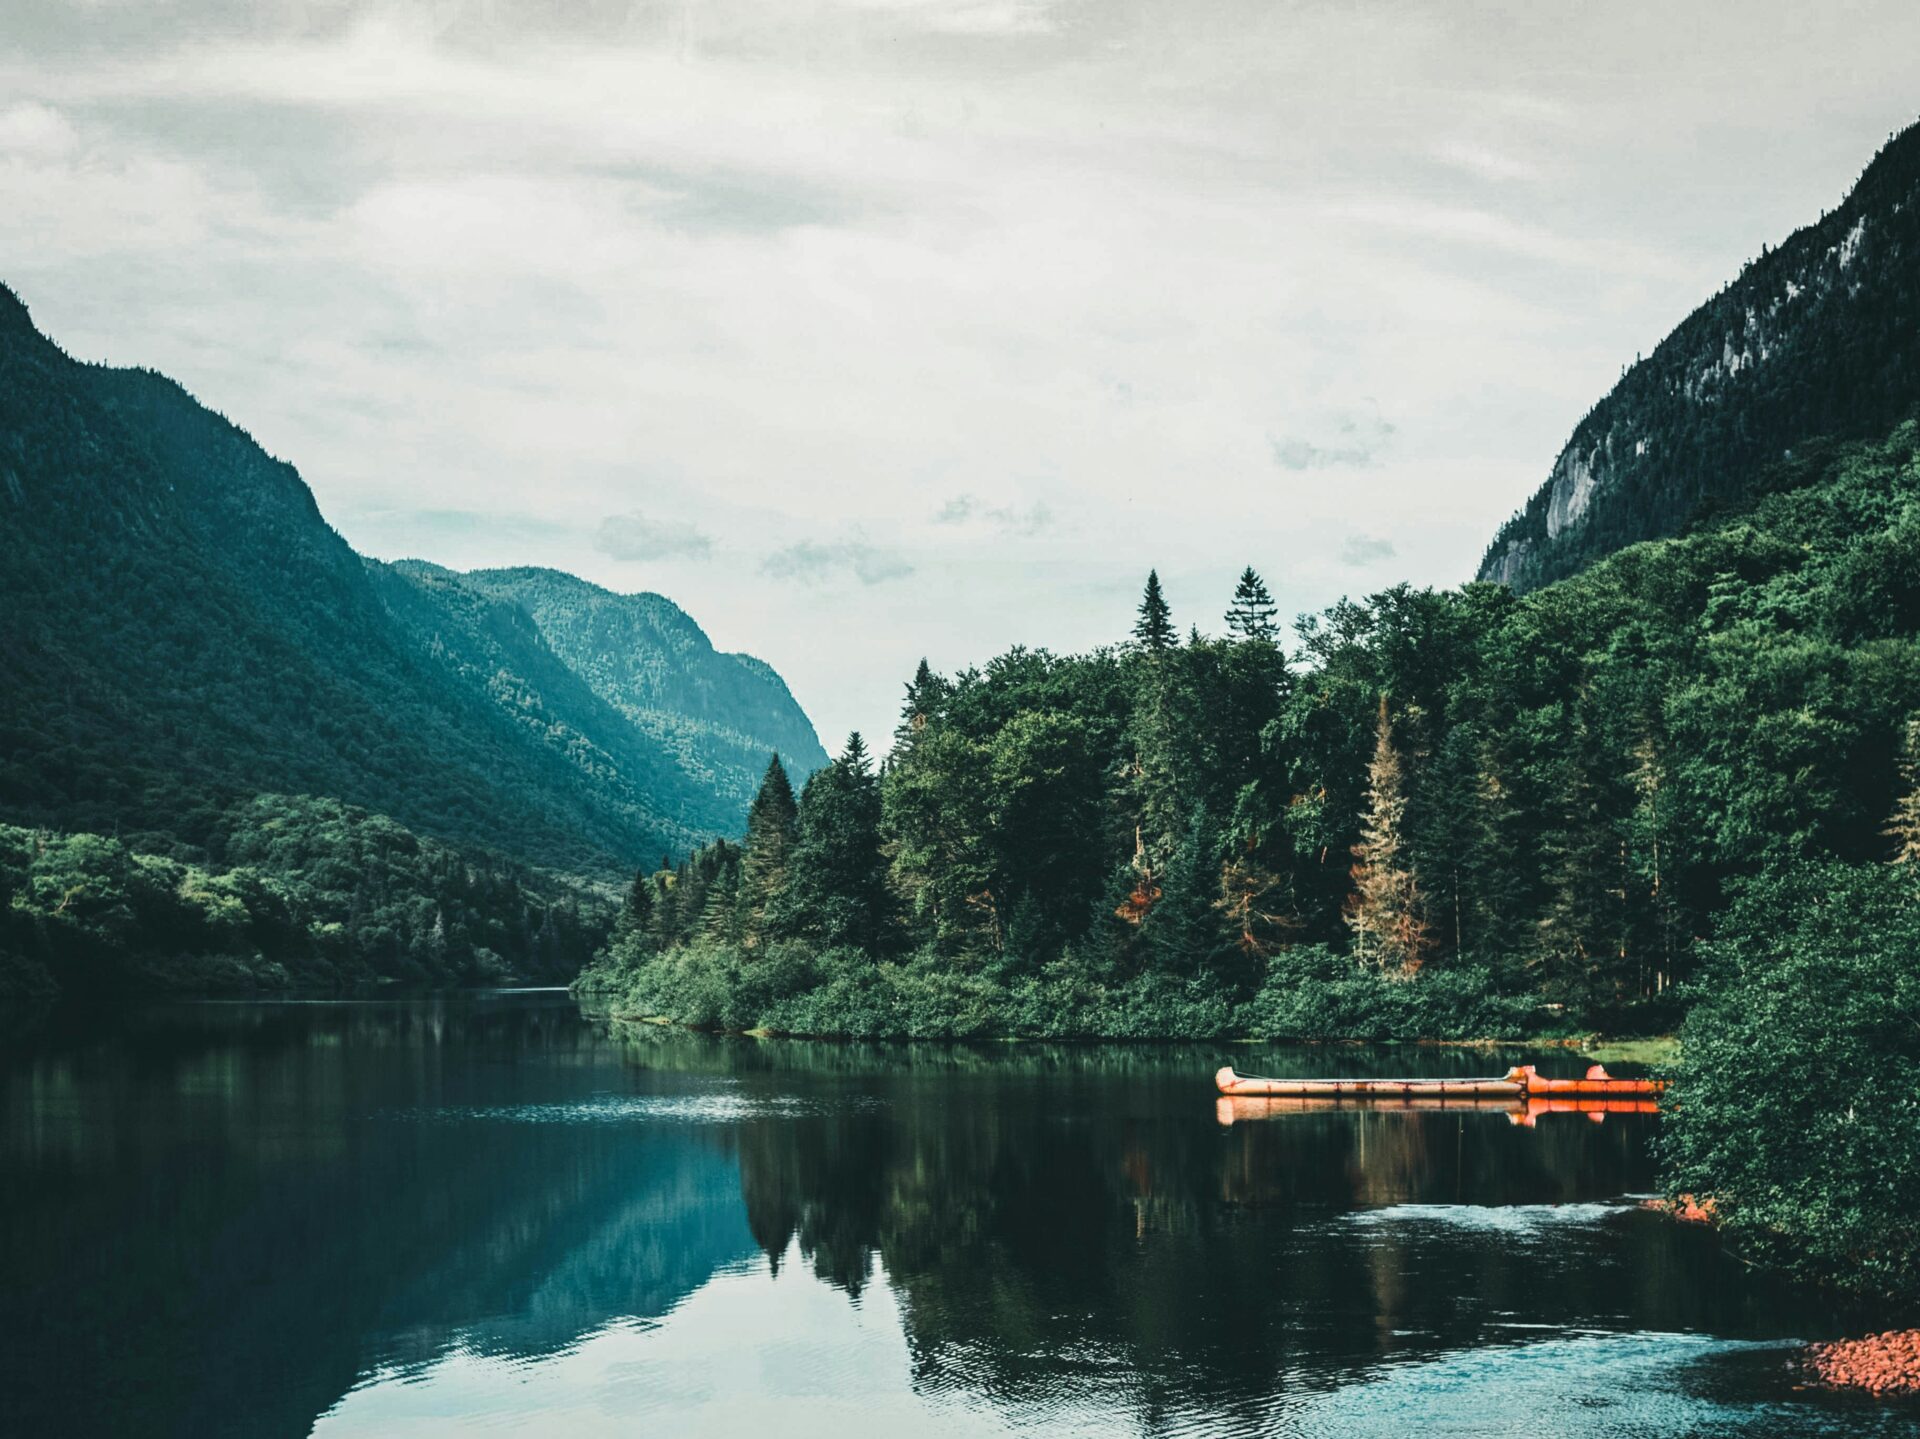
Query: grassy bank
[{"x": 1309, "y": 993}]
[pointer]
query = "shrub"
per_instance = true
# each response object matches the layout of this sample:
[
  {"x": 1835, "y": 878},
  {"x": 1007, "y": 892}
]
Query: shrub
[
  {"x": 1797, "y": 1101},
  {"x": 1313, "y": 992}
]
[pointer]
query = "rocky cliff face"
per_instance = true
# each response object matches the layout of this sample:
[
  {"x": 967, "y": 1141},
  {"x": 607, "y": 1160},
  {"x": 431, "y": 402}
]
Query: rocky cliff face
[{"x": 1820, "y": 337}]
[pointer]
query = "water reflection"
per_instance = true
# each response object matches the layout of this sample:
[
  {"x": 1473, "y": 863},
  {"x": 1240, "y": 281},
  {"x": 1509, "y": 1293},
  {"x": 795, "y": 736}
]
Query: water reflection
[{"x": 417, "y": 1217}]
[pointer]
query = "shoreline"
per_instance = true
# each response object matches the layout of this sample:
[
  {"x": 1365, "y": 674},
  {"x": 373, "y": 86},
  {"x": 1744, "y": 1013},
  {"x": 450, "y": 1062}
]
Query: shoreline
[{"x": 1628, "y": 1049}]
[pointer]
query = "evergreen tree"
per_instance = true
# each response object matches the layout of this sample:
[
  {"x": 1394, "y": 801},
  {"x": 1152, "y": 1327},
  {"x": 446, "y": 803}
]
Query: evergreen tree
[
  {"x": 926, "y": 693},
  {"x": 1651, "y": 911},
  {"x": 1250, "y": 617},
  {"x": 720, "y": 919},
  {"x": 1384, "y": 912},
  {"x": 837, "y": 893},
  {"x": 1904, "y": 826},
  {"x": 1154, "y": 631},
  {"x": 639, "y": 901},
  {"x": 635, "y": 920},
  {"x": 773, "y": 823}
]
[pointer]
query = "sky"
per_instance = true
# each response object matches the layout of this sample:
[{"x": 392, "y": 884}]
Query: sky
[{"x": 874, "y": 329}]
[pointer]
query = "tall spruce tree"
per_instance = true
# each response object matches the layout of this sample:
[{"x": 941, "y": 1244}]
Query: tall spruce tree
[
  {"x": 1385, "y": 910},
  {"x": 635, "y": 920},
  {"x": 837, "y": 892},
  {"x": 1153, "y": 631},
  {"x": 720, "y": 919},
  {"x": 926, "y": 693},
  {"x": 773, "y": 824},
  {"x": 1250, "y": 616}
]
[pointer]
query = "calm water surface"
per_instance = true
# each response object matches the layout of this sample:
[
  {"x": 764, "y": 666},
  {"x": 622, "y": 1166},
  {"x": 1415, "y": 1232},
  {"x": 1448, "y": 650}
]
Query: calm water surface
[{"x": 492, "y": 1214}]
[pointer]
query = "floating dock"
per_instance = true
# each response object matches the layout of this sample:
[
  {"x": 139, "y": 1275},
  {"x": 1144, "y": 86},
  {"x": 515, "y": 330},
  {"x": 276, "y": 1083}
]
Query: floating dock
[{"x": 1520, "y": 1082}]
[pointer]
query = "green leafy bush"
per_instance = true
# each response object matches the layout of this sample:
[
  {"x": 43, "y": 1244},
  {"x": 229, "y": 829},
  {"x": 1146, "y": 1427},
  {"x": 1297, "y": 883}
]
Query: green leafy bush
[{"x": 1797, "y": 1102}]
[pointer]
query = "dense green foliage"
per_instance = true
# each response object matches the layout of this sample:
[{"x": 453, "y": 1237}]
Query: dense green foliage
[
  {"x": 292, "y": 892},
  {"x": 1820, "y": 337},
  {"x": 1798, "y": 1105},
  {"x": 182, "y": 631},
  {"x": 1509, "y": 812}
]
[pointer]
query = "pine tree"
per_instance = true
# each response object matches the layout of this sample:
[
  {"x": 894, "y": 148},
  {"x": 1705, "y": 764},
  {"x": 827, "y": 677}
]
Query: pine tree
[
  {"x": 633, "y": 927},
  {"x": 1384, "y": 911},
  {"x": 1250, "y": 616},
  {"x": 720, "y": 918},
  {"x": 1154, "y": 631},
  {"x": 1651, "y": 910},
  {"x": 926, "y": 694},
  {"x": 837, "y": 893},
  {"x": 1903, "y": 828},
  {"x": 773, "y": 824}
]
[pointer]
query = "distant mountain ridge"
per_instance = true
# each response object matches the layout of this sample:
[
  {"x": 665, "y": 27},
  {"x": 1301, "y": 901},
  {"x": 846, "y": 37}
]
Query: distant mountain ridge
[
  {"x": 1819, "y": 338},
  {"x": 180, "y": 627},
  {"x": 638, "y": 664}
]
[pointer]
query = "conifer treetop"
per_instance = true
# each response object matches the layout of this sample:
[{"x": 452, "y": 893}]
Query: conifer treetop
[{"x": 1153, "y": 630}]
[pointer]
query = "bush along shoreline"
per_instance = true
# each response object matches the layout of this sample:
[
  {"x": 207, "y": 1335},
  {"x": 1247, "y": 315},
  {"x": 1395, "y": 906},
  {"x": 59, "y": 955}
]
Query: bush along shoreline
[
  {"x": 1308, "y": 994},
  {"x": 1796, "y": 1099}
]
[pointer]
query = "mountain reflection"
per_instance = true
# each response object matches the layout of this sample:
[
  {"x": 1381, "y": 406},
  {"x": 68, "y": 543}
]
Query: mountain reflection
[{"x": 218, "y": 1221}]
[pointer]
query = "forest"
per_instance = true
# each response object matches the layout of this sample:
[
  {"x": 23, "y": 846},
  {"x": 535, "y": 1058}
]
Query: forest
[
  {"x": 291, "y": 892},
  {"x": 1449, "y": 810}
]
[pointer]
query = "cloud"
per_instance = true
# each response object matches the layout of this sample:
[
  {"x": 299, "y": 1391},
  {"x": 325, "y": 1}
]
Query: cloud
[
  {"x": 967, "y": 17},
  {"x": 1485, "y": 161},
  {"x": 30, "y": 129},
  {"x": 638, "y": 536},
  {"x": 440, "y": 258},
  {"x": 970, "y": 509},
  {"x": 813, "y": 562},
  {"x": 1365, "y": 550},
  {"x": 1351, "y": 440},
  {"x": 388, "y": 531},
  {"x": 1303, "y": 455}
]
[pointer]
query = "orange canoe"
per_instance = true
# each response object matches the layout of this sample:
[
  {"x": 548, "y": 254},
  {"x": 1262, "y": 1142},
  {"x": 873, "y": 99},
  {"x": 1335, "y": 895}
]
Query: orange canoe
[
  {"x": 1519, "y": 1110},
  {"x": 1522, "y": 1080}
]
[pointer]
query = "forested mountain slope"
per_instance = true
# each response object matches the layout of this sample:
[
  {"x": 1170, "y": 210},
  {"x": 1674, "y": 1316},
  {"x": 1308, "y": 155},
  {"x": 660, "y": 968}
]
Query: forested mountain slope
[
  {"x": 1818, "y": 338},
  {"x": 183, "y": 630},
  {"x": 718, "y": 715}
]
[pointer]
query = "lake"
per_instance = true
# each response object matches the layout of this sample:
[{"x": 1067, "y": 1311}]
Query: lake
[{"x": 490, "y": 1213}]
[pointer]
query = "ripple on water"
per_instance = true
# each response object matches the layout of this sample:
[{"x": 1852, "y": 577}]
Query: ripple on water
[
  {"x": 719, "y": 1107},
  {"x": 1509, "y": 1221},
  {"x": 1621, "y": 1386}
]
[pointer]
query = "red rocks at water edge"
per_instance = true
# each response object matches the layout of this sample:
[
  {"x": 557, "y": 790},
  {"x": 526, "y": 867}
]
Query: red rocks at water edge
[{"x": 1886, "y": 1363}]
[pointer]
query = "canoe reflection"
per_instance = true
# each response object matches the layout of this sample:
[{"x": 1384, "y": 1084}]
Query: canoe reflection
[{"x": 1524, "y": 1112}]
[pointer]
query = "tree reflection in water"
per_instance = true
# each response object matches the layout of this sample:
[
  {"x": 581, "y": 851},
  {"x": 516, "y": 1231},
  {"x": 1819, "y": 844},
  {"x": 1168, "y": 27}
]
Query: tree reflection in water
[{"x": 234, "y": 1219}]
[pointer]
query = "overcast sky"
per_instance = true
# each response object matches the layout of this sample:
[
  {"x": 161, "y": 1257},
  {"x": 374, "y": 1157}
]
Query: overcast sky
[{"x": 867, "y": 329}]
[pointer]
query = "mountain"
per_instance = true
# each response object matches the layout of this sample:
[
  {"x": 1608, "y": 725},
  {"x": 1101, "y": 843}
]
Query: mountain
[
  {"x": 717, "y": 714},
  {"x": 183, "y": 630},
  {"x": 1819, "y": 338}
]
